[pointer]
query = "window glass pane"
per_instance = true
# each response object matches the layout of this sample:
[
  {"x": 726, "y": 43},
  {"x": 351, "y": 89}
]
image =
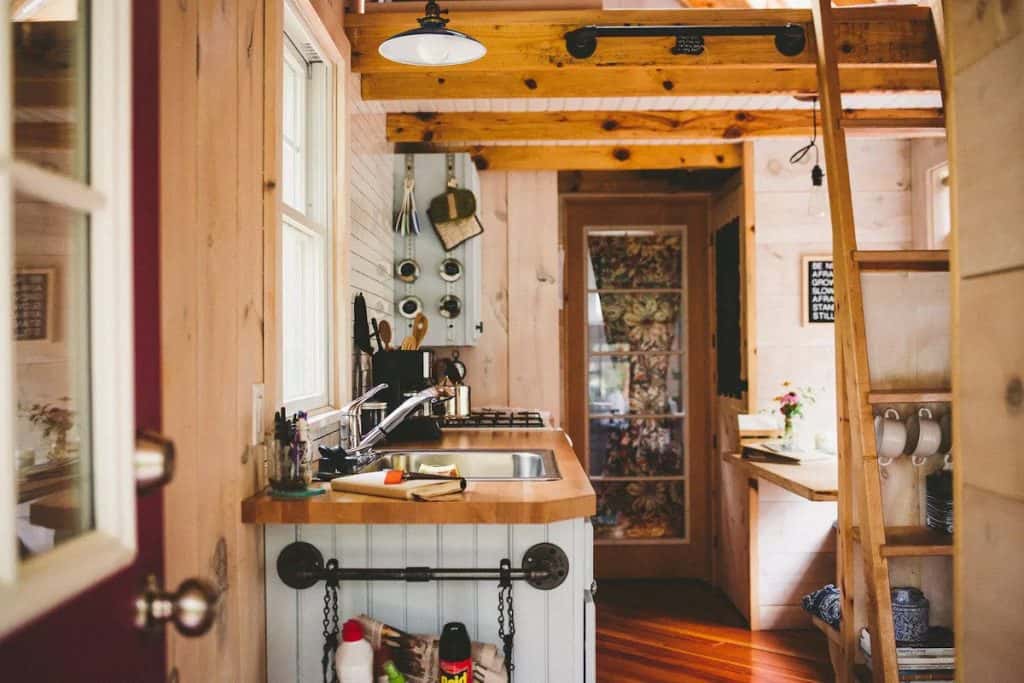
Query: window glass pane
[
  {"x": 294, "y": 113},
  {"x": 634, "y": 322},
  {"x": 646, "y": 384},
  {"x": 304, "y": 308},
  {"x": 51, "y": 331},
  {"x": 639, "y": 510},
  {"x": 636, "y": 447},
  {"x": 51, "y": 84},
  {"x": 635, "y": 259}
]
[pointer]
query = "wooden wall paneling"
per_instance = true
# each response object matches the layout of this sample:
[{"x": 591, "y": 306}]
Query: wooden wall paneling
[
  {"x": 488, "y": 361},
  {"x": 733, "y": 575},
  {"x": 636, "y": 82},
  {"x": 244, "y": 473},
  {"x": 180, "y": 289},
  {"x": 534, "y": 301}
]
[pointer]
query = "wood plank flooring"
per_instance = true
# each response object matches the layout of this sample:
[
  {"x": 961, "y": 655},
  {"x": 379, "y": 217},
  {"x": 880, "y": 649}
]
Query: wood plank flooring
[{"x": 683, "y": 631}]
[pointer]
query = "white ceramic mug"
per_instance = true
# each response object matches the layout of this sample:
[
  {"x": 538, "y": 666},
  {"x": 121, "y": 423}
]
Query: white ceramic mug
[
  {"x": 890, "y": 436},
  {"x": 924, "y": 436}
]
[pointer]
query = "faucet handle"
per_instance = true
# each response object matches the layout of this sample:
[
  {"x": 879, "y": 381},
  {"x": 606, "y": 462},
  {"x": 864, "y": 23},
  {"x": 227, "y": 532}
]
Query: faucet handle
[{"x": 354, "y": 404}]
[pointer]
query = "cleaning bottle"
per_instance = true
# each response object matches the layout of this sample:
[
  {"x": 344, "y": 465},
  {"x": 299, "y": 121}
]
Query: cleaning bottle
[
  {"x": 354, "y": 659},
  {"x": 454, "y": 654}
]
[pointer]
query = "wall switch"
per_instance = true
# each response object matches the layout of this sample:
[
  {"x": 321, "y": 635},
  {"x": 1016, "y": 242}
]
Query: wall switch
[{"x": 256, "y": 437}]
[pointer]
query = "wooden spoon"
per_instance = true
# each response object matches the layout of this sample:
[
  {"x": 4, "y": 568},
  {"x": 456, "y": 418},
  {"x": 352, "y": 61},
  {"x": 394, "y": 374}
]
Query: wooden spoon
[
  {"x": 420, "y": 324},
  {"x": 384, "y": 334}
]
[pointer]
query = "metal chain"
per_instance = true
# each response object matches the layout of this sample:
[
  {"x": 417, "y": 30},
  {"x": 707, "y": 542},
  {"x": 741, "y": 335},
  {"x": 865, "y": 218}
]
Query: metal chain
[
  {"x": 331, "y": 628},
  {"x": 506, "y": 610}
]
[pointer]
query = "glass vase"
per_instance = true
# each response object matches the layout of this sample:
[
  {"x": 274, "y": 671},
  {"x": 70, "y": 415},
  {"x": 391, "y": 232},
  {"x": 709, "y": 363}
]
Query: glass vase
[
  {"x": 788, "y": 435},
  {"x": 290, "y": 466}
]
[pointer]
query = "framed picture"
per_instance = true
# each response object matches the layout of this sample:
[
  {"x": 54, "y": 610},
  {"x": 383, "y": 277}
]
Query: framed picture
[
  {"x": 34, "y": 304},
  {"x": 818, "y": 299}
]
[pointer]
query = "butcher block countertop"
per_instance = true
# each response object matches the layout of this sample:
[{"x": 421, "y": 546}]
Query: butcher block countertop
[{"x": 483, "y": 502}]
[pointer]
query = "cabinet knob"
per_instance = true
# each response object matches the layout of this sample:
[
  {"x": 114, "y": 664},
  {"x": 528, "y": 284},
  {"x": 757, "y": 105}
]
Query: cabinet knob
[{"x": 192, "y": 608}]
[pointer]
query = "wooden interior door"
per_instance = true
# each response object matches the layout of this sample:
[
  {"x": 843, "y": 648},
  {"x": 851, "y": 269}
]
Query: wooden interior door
[{"x": 638, "y": 364}]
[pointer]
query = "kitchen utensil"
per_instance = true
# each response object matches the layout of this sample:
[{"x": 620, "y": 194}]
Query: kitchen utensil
[
  {"x": 410, "y": 306},
  {"x": 384, "y": 335},
  {"x": 459, "y": 405},
  {"x": 407, "y": 270},
  {"x": 890, "y": 436},
  {"x": 458, "y": 367},
  {"x": 398, "y": 476},
  {"x": 453, "y": 213},
  {"x": 407, "y": 220},
  {"x": 361, "y": 325},
  {"x": 376, "y": 333},
  {"x": 420, "y": 325},
  {"x": 451, "y": 269},
  {"x": 924, "y": 436},
  {"x": 909, "y": 614}
]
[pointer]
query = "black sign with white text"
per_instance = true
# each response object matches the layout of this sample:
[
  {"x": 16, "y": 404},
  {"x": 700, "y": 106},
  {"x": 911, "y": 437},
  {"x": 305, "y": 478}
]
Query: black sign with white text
[{"x": 819, "y": 296}]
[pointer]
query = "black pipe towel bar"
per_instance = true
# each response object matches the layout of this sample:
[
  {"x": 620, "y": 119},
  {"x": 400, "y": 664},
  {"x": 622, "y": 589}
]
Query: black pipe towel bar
[
  {"x": 581, "y": 43},
  {"x": 301, "y": 565}
]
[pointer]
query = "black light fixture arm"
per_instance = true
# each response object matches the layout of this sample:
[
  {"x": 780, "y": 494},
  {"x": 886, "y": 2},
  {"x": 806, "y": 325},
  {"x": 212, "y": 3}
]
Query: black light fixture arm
[
  {"x": 790, "y": 39},
  {"x": 301, "y": 565}
]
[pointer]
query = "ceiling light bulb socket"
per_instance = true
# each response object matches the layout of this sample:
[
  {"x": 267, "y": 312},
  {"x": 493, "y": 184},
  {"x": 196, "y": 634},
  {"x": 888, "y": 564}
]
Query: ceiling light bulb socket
[{"x": 817, "y": 176}]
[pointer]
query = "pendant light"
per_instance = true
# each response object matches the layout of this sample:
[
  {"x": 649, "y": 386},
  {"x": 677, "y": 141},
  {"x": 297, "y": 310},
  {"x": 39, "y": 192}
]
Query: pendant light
[
  {"x": 432, "y": 44},
  {"x": 817, "y": 201}
]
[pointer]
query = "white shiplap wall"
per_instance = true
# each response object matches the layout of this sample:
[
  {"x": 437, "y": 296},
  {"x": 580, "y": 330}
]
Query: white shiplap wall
[
  {"x": 371, "y": 199},
  {"x": 550, "y": 643},
  {"x": 880, "y": 175}
]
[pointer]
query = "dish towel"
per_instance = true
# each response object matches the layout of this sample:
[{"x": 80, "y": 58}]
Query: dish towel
[{"x": 824, "y": 603}]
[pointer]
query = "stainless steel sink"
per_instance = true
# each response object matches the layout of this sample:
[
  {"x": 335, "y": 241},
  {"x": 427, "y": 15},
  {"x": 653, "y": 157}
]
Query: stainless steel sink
[{"x": 479, "y": 465}]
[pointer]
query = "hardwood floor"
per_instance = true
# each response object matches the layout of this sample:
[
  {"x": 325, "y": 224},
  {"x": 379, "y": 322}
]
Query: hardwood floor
[{"x": 683, "y": 631}]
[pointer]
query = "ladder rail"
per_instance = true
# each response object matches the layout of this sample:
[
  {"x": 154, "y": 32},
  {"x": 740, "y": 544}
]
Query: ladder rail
[{"x": 851, "y": 339}]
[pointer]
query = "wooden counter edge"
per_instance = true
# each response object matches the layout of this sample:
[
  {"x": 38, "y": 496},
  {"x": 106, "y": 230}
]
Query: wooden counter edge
[{"x": 796, "y": 486}]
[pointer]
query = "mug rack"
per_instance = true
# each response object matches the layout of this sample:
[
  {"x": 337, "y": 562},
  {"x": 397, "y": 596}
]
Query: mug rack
[{"x": 301, "y": 565}]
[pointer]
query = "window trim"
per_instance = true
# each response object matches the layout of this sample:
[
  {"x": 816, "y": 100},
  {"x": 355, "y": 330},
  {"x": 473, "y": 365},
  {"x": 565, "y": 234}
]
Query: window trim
[
  {"x": 320, "y": 212},
  {"x": 933, "y": 176},
  {"x": 30, "y": 588}
]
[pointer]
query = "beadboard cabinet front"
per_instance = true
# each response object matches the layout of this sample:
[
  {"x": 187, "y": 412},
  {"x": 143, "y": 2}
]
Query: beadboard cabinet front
[{"x": 554, "y": 629}]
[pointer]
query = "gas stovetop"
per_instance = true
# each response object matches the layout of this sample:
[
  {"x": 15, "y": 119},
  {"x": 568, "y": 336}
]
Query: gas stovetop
[{"x": 492, "y": 419}]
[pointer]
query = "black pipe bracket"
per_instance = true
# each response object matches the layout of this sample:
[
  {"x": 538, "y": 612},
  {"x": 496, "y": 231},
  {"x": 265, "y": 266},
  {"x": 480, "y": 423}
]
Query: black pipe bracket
[
  {"x": 581, "y": 43},
  {"x": 301, "y": 565}
]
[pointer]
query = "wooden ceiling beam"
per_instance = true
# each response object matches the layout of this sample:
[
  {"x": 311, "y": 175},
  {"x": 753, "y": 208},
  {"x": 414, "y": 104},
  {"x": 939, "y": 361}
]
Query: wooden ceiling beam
[
  {"x": 535, "y": 41},
  {"x": 447, "y": 128},
  {"x": 591, "y": 157},
  {"x": 637, "y": 82}
]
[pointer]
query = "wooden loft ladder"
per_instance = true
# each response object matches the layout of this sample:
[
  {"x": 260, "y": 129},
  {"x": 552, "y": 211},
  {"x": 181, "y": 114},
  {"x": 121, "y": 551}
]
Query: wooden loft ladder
[{"x": 855, "y": 397}]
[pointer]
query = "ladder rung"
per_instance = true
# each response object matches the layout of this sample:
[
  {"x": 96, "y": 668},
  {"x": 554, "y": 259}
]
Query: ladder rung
[
  {"x": 913, "y": 541},
  {"x": 893, "y": 118},
  {"x": 887, "y": 396},
  {"x": 904, "y": 259}
]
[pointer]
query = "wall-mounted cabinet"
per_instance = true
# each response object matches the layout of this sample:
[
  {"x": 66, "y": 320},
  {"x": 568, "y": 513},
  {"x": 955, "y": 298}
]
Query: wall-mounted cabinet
[{"x": 445, "y": 285}]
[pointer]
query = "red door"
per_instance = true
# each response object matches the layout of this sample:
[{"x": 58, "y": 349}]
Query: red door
[{"x": 92, "y": 637}]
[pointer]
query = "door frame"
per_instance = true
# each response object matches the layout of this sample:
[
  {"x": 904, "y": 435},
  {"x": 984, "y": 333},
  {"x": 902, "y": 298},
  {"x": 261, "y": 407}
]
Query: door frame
[{"x": 690, "y": 558}]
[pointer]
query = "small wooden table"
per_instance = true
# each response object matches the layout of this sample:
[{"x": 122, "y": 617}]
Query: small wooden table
[{"x": 777, "y": 528}]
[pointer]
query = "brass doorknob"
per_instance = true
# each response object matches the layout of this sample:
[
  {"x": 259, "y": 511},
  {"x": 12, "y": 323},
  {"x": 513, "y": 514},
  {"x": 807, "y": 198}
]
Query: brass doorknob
[
  {"x": 154, "y": 461},
  {"x": 192, "y": 608}
]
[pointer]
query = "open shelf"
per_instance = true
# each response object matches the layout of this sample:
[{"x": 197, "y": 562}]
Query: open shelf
[
  {"x": 909, "y": 259},
  {"x": 913, "y": 541},
  {"x": 888, "y": 396}
]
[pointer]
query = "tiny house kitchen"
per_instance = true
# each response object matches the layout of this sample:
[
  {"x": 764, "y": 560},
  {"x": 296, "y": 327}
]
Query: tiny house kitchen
[{"x": 511, "y": 341}]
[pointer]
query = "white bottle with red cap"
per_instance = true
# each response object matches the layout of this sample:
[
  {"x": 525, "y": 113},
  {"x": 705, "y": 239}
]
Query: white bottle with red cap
[{"x": 354, "y": 659}]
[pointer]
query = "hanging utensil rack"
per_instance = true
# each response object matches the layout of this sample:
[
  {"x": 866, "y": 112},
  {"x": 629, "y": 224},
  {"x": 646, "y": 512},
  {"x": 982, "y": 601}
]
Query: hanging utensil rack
[{"x": 301, "y": 565}]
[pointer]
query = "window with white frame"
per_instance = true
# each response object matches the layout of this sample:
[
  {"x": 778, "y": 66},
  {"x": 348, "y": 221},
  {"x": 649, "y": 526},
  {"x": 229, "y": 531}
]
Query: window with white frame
[
  {"x": 939, "y": 216},
  {"x": 66, "y": 383},
  {"x": 306, "y": 237}
]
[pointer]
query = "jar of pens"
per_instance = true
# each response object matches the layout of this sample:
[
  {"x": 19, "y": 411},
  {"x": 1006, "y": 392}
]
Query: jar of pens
[{"x": 290, "y": 458}]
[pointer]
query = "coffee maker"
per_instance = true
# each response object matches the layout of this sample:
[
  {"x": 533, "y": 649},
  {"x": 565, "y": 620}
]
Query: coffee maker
[{"x": 404, "y": 372}]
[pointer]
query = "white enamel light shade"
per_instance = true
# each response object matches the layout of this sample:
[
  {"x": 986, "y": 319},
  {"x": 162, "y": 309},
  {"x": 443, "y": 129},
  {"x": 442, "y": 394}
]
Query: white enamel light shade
[{"x": 431, "y": 47}]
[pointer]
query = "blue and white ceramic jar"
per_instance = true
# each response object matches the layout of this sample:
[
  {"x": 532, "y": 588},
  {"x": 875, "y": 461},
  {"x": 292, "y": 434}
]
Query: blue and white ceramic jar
[{"x": 909, "y": 615}]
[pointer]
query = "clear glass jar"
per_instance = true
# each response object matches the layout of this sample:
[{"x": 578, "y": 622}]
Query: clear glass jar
[{"x": 290, "y": 466}]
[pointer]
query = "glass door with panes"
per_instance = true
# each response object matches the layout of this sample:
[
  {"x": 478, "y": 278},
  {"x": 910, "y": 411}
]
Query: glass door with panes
[{"x": 631, "y": 374}]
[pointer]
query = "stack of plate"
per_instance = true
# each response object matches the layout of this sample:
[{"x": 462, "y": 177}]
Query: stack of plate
[{"x": 939, "y": 500}]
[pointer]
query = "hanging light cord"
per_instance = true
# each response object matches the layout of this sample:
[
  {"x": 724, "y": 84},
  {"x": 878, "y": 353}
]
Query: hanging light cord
[{"x": 799, "y": 155}]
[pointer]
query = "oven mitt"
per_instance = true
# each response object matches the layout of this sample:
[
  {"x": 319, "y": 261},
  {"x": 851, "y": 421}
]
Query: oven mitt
[{"x": 453, "y": 215}]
